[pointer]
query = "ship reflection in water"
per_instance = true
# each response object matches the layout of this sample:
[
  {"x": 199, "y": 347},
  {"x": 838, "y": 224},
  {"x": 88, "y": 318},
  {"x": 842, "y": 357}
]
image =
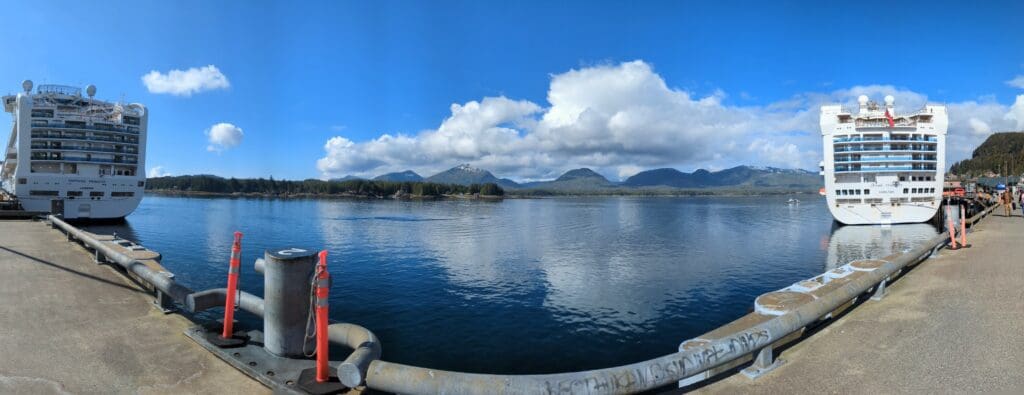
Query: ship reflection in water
[{"x": 851, "y": 243}]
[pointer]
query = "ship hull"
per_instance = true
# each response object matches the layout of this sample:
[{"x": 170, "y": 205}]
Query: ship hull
[
  {"x": 84, "y": 209},
  {"x": 866, "y": 214}
]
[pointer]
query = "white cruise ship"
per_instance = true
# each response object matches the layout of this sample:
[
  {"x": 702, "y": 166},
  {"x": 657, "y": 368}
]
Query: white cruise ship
[
  {"x": 72, "y": 155},
  {"x": 883, "y": 167}
]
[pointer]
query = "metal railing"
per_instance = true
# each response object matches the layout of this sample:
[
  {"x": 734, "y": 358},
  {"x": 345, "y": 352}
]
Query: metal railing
[{"x": 112, "y": 129}]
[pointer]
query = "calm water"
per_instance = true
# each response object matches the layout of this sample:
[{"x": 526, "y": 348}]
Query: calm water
[{"x": 523, "y": 286}]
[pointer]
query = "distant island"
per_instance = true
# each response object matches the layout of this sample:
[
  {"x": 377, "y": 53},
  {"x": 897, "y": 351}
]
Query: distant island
[{"x": 465, "y": 181}]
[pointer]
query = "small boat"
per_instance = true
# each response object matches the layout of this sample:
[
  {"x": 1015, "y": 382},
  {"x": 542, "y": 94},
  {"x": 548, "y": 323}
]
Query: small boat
[{"x": 792, "y": 201}]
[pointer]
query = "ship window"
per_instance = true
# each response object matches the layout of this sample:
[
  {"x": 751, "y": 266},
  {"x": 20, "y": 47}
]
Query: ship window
[
  {"x": 122, "y": 194},
  {"x": 913, "y": 190},
  {"x": 858, "y": 191},
  {"x": 96, "y": 194},
  {"x": 142, "y": 184},
  {"x": 43, "y": 193},
  {"x": 867, "y": 191},
  {"x": 903, "y": 178},
  {"x": 74, "y": 193},
  {"x": 22, "y": 181},
  {"x": 904, "y": 190}
]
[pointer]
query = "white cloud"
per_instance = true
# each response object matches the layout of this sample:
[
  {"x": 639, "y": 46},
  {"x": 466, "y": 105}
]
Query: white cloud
[
  {"x": 223, "y": 136},
  {"x": 157, "y": 171},
  {"x": 1017, "y": 82},
  {"x": 979, "y": 127},
  {"x": 1016, "y": 112},
  {"x": 186, "y": 82},
  {"x": 619, "y": 119}
]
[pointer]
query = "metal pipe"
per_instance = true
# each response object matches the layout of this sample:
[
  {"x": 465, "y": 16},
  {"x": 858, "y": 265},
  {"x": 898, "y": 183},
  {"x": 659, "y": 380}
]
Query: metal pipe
[
  {"x": 365, "y": 349},
  {"x": 158, "y": 280},
  {"x": 654, "y": 373},
  {"x": 208, "y": 299}
]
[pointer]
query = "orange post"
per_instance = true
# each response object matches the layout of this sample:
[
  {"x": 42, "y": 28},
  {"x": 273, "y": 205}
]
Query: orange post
[
  {"x": 229, "y": 301},
  {"x": 322, "y": 290},
  {"x": 963, "y": 226},
  {"x": 951, "y": 227}
]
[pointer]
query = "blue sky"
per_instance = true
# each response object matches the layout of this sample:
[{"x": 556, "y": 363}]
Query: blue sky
[{"x": 525, "y": 89}]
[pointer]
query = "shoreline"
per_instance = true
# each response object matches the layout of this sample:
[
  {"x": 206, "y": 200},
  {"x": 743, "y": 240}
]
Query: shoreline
[{"x": 350, "y": 196}]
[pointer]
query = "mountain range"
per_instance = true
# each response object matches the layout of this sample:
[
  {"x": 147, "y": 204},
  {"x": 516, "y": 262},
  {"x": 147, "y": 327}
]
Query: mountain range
[{"x": 585, "y": 180}]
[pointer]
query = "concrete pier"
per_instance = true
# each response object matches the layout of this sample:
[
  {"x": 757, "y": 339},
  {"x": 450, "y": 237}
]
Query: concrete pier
[
  {"x": 953, "y": 324},
  {"x": 68, "y": 325}
]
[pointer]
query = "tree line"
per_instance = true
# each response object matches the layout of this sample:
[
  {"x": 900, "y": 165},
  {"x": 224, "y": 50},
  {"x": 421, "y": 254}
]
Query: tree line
[
  {"x": 358, "y": 187},
  {"x": 1001, "y": 153}
]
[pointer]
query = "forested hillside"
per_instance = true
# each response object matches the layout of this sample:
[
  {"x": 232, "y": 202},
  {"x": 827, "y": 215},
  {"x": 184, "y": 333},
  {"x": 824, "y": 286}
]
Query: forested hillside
[{"x": 1001, "y": 153}]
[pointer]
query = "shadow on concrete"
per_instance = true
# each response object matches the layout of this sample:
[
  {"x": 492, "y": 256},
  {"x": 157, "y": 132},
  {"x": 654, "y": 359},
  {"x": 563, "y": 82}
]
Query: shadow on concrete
[{"x": 72, "y": 271}]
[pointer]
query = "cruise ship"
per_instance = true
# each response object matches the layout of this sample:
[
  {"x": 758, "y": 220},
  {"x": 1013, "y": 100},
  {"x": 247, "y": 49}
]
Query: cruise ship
[
  {"x": 75, "y": 156},
  {"x": 883, "y": 167}
]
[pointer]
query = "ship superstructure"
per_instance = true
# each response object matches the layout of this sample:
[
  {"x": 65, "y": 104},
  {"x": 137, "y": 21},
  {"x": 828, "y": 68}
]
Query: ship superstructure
[
  {"x": 880, "y": 166},
  {"x": 72, "y": 155}
]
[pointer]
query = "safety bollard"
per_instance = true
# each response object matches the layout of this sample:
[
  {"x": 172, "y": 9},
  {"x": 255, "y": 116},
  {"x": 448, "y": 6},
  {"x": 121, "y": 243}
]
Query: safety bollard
[
  {"x": 321, "y": 379},
  {"x": 229, "y": 300},
  {"x": 322, "y": 290},
  {"x": 228, "y": 337},
  {"x": 951, "y": 228}
]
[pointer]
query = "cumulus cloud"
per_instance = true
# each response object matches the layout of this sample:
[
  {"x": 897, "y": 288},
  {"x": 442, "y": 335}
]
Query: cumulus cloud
[
  {"x": 223, "y": 136},
  {"x": 186, "y": 82},
  {"x": 622, "y": 118},
  {"x": 1016, "y": 112},
  {"x": 157, "y": 171},
  {"x": 1017, "y": 82}
]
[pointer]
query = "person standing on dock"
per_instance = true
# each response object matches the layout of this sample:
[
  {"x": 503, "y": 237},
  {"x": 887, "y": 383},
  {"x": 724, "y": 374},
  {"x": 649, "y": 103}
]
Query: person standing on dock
[
  {"x": 1007, "y": 201},
  {"x": 1020, "y": 200}
]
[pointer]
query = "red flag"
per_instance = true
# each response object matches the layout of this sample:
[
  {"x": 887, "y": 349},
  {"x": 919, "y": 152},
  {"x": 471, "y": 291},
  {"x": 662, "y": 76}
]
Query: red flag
[{"x": 889, "y": 117}]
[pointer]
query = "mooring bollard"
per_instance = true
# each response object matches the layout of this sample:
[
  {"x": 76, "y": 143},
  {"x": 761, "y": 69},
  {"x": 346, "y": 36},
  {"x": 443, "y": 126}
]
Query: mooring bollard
[
  {"x": 323, "y": 280},
  {"x": 234, "y": 267},
  {"x": 286, "y": 278}
]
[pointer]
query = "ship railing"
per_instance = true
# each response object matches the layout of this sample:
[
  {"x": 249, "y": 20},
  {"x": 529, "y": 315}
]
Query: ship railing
[
  {"x": 883, "y": 140},
  {"x": 84, "y": 138},
  {"x": 118, "y": 129},
  {"x": 93, "y": 160},
  {"x": 82, "y": 149}
]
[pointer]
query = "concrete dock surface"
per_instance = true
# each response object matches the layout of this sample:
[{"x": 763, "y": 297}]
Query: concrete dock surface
[
  {"x": 954, "y": 324},
  {"x": 68, "y": 325}
]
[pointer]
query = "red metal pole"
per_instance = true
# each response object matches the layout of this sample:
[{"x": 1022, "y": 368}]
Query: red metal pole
[
  {"x": 322, "y": 289},
  {"x": 229, "y": 301}
]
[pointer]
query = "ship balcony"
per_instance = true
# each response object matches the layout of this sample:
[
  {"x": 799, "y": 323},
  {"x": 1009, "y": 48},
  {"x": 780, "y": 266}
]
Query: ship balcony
[
  {"x": 84, "y": 149},
  {"x": 86, "y": 128},
  {"x": 853, "y": 149},
  {"x": 884, "y": 160},
  {"x": 58, "y": 136},
  {"x": 929, "y": 139},
  {"x": 880, "y": 169},
  {"x": 87, "y": 160}
]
